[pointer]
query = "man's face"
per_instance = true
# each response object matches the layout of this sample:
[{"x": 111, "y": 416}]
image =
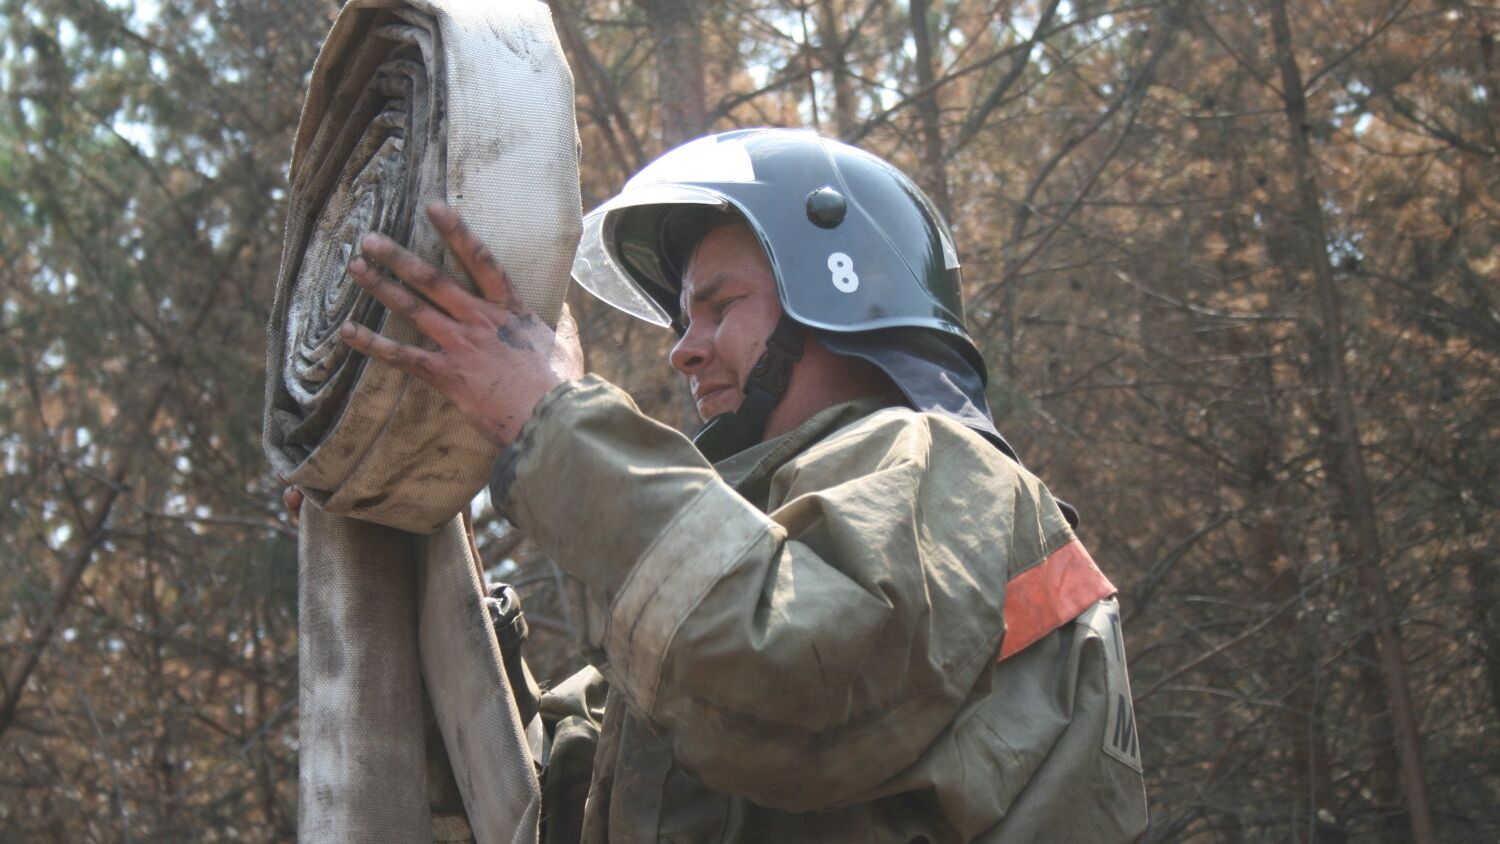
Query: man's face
[{"x": 730, "y": 306}]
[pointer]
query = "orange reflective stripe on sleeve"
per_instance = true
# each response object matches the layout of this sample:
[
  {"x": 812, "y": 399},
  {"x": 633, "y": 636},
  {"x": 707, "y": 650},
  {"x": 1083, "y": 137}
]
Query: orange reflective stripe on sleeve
[{"x": 1051, "y": 594}]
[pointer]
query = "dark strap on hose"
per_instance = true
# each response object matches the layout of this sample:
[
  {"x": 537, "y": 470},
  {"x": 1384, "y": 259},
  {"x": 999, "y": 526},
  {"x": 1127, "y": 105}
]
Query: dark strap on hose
[{"x": 731, "y": 433}]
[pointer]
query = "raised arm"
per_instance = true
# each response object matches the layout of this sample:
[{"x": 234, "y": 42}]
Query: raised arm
[{"x": 798, "y": 658}]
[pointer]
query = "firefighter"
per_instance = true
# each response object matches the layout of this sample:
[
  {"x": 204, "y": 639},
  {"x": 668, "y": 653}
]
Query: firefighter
[{"x": 845, "y": 612}]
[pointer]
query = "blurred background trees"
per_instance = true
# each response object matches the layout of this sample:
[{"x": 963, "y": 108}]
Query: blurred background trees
[{"x": 1233, "y": 264}]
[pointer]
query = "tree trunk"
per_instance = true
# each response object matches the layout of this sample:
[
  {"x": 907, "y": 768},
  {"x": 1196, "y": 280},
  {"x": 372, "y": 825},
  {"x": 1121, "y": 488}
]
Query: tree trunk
[
  {"x": 934, "y": 174},
  {"x": 1293, "y": 651},
  {"x": 676, "y": 30},
  {"x": 1385, "y": 762},
  {"x": 1346, "y": 472},
  {"x": 1300, "y": 720},
  {"x": 1484, "y": 608},
  {"x": 613, "y": 121},
  {"x": 835, "y": 58}
]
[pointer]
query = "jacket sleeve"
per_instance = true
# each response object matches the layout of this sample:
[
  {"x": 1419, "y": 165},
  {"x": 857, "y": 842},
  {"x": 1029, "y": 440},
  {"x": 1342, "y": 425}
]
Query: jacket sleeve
[
  {"x": 799, "y": 658},
  {"x": 572, "y": 715}
]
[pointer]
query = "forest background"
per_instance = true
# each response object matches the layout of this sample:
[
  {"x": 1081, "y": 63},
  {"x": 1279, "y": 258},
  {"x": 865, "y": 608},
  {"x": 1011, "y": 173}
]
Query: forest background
[{"x": 1233, "y": 264}]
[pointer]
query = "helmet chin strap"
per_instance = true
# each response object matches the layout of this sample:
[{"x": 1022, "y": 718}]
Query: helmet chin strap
[{"x": 730, "y": 433}]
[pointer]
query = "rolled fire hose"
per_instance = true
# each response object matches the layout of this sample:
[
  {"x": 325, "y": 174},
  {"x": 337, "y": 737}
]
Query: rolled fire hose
[{"x": 469, "y": 101}]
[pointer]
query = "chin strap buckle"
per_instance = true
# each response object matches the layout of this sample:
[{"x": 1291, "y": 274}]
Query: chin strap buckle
[
  {"x": 773, "y": 372},
  {"x": 730, "y": 433}
]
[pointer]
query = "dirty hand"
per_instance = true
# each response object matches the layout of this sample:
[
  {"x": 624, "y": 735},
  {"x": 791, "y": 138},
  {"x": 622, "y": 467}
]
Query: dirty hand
[
  {"x": 292, "y": 498},
  {"x": 495, "y": 358}
]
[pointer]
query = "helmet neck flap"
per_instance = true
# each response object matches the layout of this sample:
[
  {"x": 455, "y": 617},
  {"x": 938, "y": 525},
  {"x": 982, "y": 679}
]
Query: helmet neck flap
[{"x": 932, "y": 375}]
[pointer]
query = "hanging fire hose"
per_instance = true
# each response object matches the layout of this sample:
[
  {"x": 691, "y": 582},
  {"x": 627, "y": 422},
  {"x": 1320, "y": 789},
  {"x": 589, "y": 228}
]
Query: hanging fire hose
[{"x": 469, "y": 101}]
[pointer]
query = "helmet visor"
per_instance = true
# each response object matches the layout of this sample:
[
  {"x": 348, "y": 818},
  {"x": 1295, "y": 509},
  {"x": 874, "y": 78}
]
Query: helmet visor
[{"x": 600, "y": 268}]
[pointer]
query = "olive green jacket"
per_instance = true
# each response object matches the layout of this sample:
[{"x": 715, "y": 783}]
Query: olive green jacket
[{"x": 800, "y": 644}]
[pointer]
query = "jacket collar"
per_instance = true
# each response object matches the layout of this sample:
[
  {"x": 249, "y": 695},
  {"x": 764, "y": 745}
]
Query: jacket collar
[{"x": 749, "y": 471}]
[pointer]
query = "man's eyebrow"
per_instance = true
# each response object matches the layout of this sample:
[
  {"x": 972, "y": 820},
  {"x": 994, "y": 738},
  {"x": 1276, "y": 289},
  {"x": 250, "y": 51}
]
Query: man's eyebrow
[{"x": 704, "y": 292}]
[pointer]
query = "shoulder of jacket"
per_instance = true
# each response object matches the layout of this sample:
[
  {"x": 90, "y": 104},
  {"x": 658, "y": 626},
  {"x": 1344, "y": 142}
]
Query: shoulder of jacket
[{"x": 901, "y": 433}]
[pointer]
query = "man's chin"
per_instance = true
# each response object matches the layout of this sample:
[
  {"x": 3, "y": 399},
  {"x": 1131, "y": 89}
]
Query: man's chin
[{"x": 717, "y": 403}]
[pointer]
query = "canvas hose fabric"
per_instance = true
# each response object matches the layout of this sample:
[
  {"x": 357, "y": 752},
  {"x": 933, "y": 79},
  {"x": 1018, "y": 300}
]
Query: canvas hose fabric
[{"x": 471, "y": 102}]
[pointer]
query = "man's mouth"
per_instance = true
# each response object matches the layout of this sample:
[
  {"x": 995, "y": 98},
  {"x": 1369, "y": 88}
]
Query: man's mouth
[{"x": 704, "y": 393}]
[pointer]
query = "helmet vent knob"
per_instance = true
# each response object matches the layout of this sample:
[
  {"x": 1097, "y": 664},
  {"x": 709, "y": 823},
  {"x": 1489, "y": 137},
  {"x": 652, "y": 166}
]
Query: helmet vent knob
[{"x": 826, "y": 207}]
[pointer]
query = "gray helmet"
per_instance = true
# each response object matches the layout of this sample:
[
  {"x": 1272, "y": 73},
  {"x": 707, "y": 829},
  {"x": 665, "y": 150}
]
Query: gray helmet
[{"x": 859, "y": 253}]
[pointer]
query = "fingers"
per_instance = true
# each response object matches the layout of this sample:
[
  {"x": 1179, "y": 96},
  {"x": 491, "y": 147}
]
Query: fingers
[
  {"x": 423, "y": 277},
  {"x": 419, "y": 362},
  {"x": 432, "y": 322},
  {"x": 292, "y": 498},
  {"x": 567, "y": 327},
  {"x": 488, "y": 276},
  {"x": 567, "y": 357}
]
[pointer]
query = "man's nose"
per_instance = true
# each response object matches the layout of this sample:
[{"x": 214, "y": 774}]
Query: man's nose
[{"x": 691, "y": 352}]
